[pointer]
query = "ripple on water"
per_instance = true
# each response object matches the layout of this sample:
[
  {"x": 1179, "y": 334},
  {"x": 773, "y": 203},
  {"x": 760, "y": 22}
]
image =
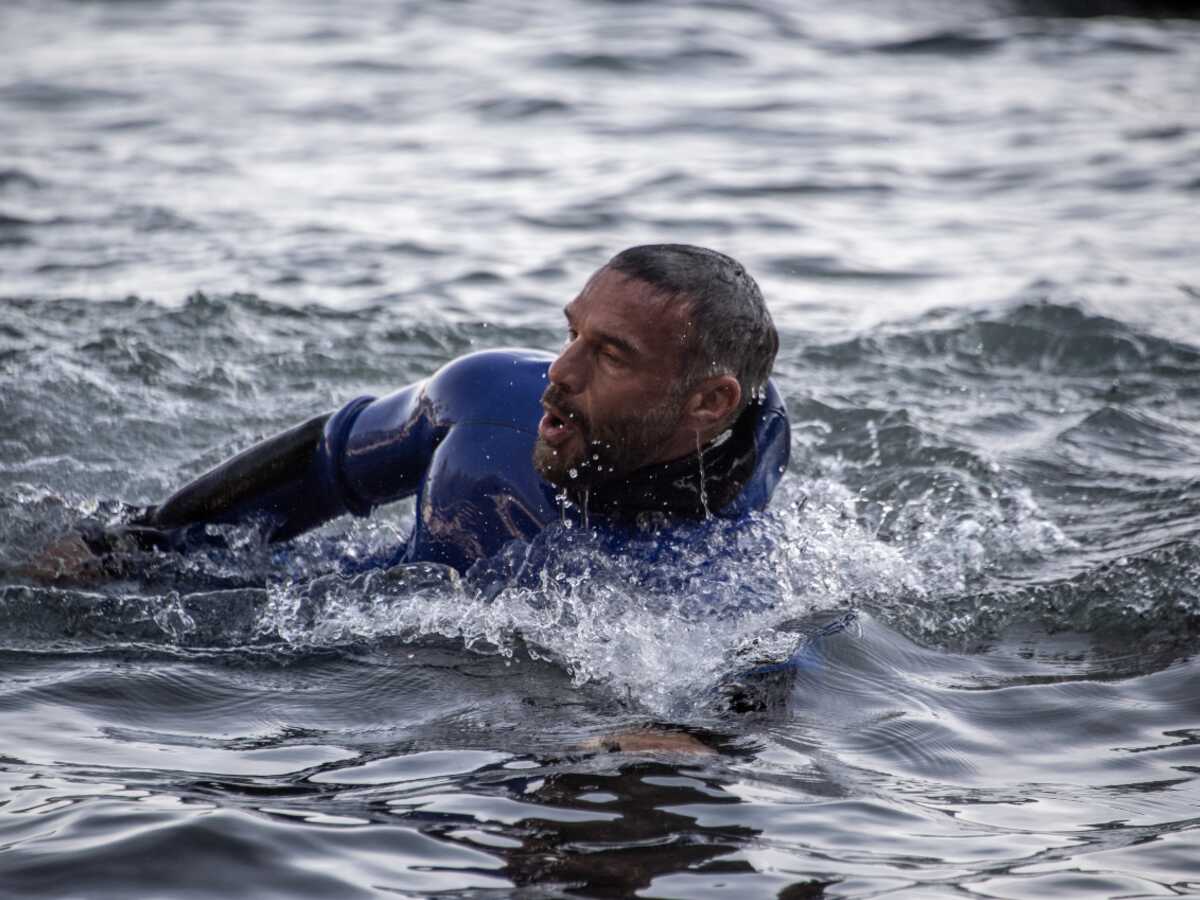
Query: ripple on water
[{"x": 997, "y": 481}]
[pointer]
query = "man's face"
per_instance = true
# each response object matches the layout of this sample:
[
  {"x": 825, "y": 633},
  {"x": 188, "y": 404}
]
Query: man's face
[{"x": 615, "y": 397}]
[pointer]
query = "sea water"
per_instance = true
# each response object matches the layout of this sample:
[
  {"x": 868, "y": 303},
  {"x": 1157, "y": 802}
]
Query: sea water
[{"x": 976, "y": 228}]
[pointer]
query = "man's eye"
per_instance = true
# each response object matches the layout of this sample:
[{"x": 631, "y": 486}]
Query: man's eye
[{"x": 610, "y": 356}]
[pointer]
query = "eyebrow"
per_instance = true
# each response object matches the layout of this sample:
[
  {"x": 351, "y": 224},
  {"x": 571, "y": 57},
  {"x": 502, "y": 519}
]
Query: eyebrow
[{"x": 625, "y": 346}]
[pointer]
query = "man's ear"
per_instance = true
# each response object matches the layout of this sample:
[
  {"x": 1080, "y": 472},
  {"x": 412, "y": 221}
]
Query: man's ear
[{"x": 711, "y": 403}]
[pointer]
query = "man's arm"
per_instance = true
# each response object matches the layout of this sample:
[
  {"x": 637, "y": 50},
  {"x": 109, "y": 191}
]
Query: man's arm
[
  {"x": 285, "y": 484},
  {"x": 293, "y": 481},
  {"x": 370, "y": 452},
  {"x": 313, "y": 472},
  {"x": 244, "y": 481}
]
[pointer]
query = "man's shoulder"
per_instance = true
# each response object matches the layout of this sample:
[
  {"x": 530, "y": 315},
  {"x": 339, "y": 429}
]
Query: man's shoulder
[{"x": 494, "y": 386}]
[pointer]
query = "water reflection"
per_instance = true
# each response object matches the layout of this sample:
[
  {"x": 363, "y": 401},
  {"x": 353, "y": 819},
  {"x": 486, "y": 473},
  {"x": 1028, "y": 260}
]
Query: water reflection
[
  {"x": 976, "y": 231},
  {"x": 632, "y": 829}
]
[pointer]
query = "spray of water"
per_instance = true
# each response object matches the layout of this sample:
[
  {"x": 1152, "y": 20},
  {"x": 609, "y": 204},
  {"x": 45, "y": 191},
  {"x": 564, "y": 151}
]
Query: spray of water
[{"x": 658, "y": 624}]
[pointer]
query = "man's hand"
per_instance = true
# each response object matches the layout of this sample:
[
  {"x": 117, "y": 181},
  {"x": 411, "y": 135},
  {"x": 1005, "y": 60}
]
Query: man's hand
[
  {"x": 647, "y": 740},
  {"x": 66, "y": 557}
]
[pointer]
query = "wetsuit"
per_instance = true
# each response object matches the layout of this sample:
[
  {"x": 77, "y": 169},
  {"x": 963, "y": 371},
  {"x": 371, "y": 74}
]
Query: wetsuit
[{"x": 462, "y": 442}]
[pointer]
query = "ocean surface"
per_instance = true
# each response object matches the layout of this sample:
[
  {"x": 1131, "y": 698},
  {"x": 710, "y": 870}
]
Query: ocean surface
[{"x": 978, "y": 227}]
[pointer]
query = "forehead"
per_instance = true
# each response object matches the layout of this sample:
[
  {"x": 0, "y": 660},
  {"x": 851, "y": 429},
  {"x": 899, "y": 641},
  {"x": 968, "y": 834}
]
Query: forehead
[{"x": 614, "y": 304}]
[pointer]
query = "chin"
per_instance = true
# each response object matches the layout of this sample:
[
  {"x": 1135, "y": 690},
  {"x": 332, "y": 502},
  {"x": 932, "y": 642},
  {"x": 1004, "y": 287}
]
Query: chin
[{"x": 553, "y": 465}]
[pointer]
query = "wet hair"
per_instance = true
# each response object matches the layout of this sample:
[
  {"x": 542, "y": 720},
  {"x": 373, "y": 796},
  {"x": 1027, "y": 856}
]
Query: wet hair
[{"x": 731, "y": 332}]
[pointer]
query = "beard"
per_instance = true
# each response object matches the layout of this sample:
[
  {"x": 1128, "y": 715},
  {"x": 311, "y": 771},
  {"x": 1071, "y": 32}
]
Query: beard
[{"x": 611, "y": 449}]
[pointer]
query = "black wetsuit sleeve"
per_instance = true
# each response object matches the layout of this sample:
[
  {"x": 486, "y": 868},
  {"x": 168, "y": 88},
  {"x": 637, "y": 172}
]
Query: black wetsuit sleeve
[
  {"x": 285, "y": 485},
  {"x": 265, "y": 484},
  {"x": 369, "y": 452},
  {"x": 246, "y": 479}
]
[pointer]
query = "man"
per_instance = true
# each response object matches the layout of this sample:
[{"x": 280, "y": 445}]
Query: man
[{"x": 657, "y": 411}]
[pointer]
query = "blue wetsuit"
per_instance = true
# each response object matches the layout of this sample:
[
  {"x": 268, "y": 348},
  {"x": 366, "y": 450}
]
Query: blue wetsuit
[{"x": 462, "y": 441}]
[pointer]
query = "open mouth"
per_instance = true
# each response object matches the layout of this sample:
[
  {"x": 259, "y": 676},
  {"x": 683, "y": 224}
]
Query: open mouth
[{"x": 555, "y": 428}]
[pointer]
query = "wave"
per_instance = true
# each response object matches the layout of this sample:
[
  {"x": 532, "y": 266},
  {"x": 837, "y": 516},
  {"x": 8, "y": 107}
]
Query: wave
[
  {"x": 18, "y": 178},
  {"x": 1147, "y": 603},
  {"x": 520, "y": 108},
  {"x": 943, "y": 43},
  {"x": 831, "y": 267},
  {"x": 797, "y": 188},
  {"x": 685, "y": 58},
  {"x": 897, "y": 505},
  {"x": 1136, "y": 437},
  {"x": 33, "y": 94},
  {"x": 1154, "y": 9},
  {"x": 658, "y": 634},
  {"x": 1041, "y": 336}
]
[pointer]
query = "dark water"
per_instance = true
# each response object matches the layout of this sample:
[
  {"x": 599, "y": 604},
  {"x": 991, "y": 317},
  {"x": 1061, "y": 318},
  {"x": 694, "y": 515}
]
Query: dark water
[{"x": 976, "y": 226}]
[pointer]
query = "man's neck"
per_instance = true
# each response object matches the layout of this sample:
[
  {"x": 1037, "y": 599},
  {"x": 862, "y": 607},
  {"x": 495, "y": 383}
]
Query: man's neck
[{"x": 691, "y": 486}]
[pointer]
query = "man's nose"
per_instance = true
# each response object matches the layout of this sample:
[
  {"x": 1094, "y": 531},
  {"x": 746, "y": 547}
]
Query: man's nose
[{"x": 568, "y": 371}]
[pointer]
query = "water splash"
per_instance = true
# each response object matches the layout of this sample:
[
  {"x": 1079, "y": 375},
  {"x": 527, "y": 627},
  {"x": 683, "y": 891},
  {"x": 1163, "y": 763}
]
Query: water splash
[
  {"x": 658, "y": 624},
  {"x": 938, "y": 536}
]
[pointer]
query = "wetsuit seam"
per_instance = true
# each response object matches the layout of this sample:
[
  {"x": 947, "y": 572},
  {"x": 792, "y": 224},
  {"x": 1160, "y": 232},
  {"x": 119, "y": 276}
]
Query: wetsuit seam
[{"x": 350, "y": 499}]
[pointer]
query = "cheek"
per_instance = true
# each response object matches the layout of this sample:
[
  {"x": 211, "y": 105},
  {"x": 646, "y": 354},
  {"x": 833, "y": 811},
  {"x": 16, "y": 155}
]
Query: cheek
[
  {"x": 613, "y": 395},
  {"x": 624, "y": 402}
]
